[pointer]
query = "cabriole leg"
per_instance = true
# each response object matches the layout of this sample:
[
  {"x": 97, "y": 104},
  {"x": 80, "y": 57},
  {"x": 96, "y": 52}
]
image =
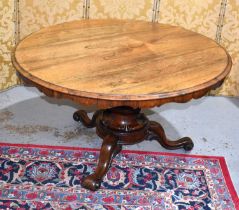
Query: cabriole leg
[
  {"x": 81, "y": 116},
  {"x": 186, "y": 143},
  {"x": 109, "y": 149}
]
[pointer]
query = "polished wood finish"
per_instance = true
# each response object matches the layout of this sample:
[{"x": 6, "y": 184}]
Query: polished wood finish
[
  {"x": 108, "y": 148},
  {"x": 158, "y": 133},
  {"x": 121, "y": 126},
  {"x": 121, "y": 67},
  {"x": 111, "y": 63}
]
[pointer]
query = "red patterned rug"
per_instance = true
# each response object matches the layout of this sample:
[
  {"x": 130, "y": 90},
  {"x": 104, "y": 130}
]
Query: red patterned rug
[{"x": 47, "y": 177}]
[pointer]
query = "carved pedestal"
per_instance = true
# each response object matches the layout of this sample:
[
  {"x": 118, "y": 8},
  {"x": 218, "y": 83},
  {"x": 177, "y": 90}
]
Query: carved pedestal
[{"x": 121, "y": 126}]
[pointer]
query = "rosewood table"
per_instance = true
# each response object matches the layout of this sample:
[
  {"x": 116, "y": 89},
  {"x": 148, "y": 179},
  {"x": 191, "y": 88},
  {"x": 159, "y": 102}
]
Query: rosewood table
[{"x": 121, "y": 67}]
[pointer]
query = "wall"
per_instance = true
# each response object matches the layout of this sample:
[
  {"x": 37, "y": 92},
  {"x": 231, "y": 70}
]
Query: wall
[
  {"x": 121, "y": 9},
  {"x": 35, "y": 14},
  {"x": 7, "y": 41},
  {"x": 217, "y": 19},
  {"x": 230, "y": 40}
]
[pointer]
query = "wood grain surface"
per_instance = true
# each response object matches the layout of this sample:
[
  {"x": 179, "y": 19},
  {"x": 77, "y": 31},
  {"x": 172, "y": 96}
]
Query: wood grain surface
[{"x": 121, "y": 63}]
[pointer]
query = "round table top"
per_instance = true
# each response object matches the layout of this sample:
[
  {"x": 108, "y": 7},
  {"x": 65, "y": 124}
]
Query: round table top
[{"x": 121, "y": 63}]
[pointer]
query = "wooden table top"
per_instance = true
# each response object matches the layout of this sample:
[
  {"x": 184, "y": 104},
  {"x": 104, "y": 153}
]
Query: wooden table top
[{"x": 114, "y": 63}]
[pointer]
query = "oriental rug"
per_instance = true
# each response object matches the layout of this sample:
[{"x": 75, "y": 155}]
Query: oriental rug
[{"x": 47, "y": 177}]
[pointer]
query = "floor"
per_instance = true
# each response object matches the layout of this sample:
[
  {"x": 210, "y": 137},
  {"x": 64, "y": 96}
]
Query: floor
[{"x": 27, "y": 116}]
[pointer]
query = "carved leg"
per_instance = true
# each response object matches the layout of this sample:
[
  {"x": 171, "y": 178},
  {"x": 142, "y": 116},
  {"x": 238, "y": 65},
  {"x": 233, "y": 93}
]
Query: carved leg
[
  {"x": 157, "y": 129},
  {"x": 122, "y": 126},
  {"x": 82, "y": 116},
  {"x": 109, "y": 149}
]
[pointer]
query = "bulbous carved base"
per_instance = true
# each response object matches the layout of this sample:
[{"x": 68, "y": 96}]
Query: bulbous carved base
[{"x": 120, "y": 126}]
